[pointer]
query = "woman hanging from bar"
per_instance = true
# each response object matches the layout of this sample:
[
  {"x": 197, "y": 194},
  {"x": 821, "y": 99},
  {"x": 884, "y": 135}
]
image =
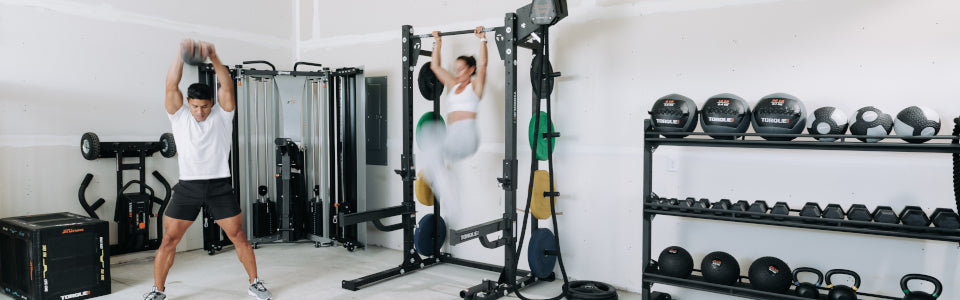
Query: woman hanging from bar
[{"x": 460, "y": 139}]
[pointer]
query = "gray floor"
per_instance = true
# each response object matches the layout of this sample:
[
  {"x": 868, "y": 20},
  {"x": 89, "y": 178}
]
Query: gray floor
[{"x": 300, "y": 271}]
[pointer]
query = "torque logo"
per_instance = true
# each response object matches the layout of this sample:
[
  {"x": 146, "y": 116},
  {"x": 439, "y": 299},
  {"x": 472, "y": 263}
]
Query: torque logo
[
  {"x": 664, "y": 121},
  {"x": 777, "y": 102},
  {"x": 75, "y": 295},
  {"x": 470, "y": 235},
  {"x": 71, "y": 230},
  {"x": 716, "y": 119},
  {"x": 777, "y": 121}
]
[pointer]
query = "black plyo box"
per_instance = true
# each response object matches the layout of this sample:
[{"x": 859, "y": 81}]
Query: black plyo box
[{"x": 58, "y": 256}]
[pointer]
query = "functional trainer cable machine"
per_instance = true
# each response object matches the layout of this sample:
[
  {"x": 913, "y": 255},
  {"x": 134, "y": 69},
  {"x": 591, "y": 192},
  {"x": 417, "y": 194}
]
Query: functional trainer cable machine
[
  {"x": 299, "y": 138},
  {"x": 517, "y": 30}
]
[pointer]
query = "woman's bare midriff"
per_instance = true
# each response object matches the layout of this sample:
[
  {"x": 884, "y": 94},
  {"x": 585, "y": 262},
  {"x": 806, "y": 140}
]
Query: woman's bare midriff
[{"x": 454, "y": 116}]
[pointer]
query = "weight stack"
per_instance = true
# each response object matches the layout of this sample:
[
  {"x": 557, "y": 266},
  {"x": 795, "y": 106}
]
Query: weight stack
[
  {"x": 316, "y": 217},
  {"x": 54, "y": 256},
  {"x": 263, "y": 218}
]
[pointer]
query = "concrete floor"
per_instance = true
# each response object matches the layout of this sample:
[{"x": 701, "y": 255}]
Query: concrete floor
[{"x": 300, "y": 271}]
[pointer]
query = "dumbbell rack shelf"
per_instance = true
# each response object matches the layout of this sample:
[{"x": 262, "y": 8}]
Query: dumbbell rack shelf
[{"x": 653, "y": 140}]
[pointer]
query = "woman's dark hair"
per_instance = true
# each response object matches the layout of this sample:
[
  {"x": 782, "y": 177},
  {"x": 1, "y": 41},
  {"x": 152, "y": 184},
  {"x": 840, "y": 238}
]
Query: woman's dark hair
[
  {"x": 200, "y": 91},
  {"x": 470, "y": 61}
]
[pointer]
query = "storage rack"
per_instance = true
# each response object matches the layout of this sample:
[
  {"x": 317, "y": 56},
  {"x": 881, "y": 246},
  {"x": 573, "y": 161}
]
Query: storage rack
[{"x": 653, "y": 140}]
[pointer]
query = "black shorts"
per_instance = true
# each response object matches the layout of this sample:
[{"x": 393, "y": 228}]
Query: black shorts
[{"x": 216, "y": 195}]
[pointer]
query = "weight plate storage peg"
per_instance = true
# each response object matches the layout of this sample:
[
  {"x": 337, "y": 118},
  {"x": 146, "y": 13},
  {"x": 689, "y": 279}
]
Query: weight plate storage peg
[
  {"x": 546, "y": 141},
  {"x": 541, "y": 253}
]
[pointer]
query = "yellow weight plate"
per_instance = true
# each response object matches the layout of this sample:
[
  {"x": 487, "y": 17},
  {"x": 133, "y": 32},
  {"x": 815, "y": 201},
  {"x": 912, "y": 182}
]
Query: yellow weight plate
[
  {"x": 423, "y": 192},
  {"x": 540, "y": 205}
]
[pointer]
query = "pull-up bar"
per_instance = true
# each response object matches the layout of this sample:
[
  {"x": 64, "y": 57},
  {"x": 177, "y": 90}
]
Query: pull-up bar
[{"x": 485, "y": 29}]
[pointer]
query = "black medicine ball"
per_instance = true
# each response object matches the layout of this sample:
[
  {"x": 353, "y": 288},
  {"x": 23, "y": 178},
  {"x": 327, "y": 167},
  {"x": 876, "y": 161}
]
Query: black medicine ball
[
  {"x": 779, "y": 113},
  {"x": 827, "y": 120},
  {"x": 725, "y": 113},
  {"x": 674, "y": 113},
  {"x": 720, "y": 267},
  {"x": 870, "y": 121},
  {"x": 770, "y": 274},
  {"x": 675, "y": 262},
  {"x": 917, "y": 121}
]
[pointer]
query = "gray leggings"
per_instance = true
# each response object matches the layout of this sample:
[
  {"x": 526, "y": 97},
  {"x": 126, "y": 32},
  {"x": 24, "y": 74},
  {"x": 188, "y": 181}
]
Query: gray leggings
[{"x": 454, "y": 143}]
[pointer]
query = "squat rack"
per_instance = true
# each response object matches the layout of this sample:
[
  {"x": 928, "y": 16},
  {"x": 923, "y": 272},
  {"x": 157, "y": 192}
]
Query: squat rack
[{"x": 517, "y": 30}]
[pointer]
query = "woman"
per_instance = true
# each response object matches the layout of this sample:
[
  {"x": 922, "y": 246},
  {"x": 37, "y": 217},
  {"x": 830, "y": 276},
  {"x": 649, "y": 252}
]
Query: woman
[{"x": 461, "y": 138}]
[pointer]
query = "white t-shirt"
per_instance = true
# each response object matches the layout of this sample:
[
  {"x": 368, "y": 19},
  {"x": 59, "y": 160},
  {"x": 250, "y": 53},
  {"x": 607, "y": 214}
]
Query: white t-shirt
[{"x": 203, "y": 148}]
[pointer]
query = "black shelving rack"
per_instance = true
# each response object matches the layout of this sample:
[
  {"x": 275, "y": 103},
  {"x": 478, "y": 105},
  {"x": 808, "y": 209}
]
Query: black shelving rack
[{"x": 652, "y": 140}]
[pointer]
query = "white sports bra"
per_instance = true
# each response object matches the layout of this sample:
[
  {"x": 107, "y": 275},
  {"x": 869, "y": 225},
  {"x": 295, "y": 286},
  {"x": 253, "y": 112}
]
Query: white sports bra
[{"x": 466, "y": 100}]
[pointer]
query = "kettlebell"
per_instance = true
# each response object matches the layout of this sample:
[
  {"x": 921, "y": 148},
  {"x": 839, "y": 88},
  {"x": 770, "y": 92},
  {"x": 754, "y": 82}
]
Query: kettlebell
[
  {"x": 842, "y": 292},
  {"x": 806, "y": 289},
  {"x": 913, "y": 295}
]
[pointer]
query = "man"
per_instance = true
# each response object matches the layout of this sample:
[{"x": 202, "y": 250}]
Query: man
[{"x": 203, "y": 133}]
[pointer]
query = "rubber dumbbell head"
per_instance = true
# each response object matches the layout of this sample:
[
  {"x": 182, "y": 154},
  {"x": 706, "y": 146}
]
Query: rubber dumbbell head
[
  {"x": 946, "y": 218},
  {"x": 741, "y": 205},
  {"x": 859, "y": 212},
  {"x": 703, "y": 203},
  {"x": 885, "y": 214},
  {"x": 722, "y": 205},
  {"x": 833, "y": 211},
  {"x": 686, "y": 204},
  {"x": 914, "y": 216},
  {"x": 759, "y": 206},
  {"x": 781, "y": 208},
  {"x": 812, "y": 210}
]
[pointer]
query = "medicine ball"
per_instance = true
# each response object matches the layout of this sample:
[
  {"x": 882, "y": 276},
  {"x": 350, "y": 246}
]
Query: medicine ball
[
  {"x": 770, "y": 274},
  {"x": 720, "y": 267},
  {"x": 725, "y": 113},
  {"x": 827, "y": 120},
  {"x": 917, "y": 121},
  {"x": 674, "y": 113},
  {"x": 870, "y": 121},
  {"x": 676, "y": 262},
  {"x": 779, "y": 113},
  {"x": 190, "y": 52}
]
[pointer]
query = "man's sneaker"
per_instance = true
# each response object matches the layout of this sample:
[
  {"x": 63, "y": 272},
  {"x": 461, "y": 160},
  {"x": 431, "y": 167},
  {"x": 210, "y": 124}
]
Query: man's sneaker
[
  {"x": 154, "y": 295},
  {"x": 258, "y": 290}
]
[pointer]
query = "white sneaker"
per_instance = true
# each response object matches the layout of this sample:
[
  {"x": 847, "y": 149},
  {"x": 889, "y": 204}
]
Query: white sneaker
[{"x": 258, "y": 290}]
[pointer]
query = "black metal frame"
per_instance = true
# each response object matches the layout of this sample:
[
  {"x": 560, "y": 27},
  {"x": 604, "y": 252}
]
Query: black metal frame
[
  {"x": 653, "y": 140},
  {"x": 507, "y": 38},
  {"x": 131, "y": 207}
]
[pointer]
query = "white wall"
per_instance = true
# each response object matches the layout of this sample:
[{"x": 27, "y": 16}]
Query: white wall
[
  {"x": 76, "y": 66},
  {"x": 618, "y": 57}
]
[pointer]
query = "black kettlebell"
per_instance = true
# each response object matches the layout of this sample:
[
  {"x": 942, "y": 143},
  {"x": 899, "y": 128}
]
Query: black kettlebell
[
  {"x": 913, "y": 295},
  {"x": 806, "y": 289},
  {"x": 842, "y": 292}
]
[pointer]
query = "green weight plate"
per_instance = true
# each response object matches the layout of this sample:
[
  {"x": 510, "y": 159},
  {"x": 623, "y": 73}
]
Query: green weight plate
[
  {"x": 425, "y": 119},
  {"x": 545, "y": 125}
]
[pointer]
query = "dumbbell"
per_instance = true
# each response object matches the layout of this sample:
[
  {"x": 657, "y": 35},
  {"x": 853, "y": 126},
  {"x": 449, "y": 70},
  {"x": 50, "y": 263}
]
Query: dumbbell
[
  {"x": 781, "y": 208},
  {"x": 722, "y": 205},
  {"x": 859, "y": 212},
  {"x": 667, "y": 203},
  {"x": 945, "y": 218},
  {"x": 811, "y": 209},
  {"x": 914, "y": 216},
  {"x": 740, "y": 206},
  {"x": 686, "y": 204},
  {"x": 703, "y": 203},
  {"x": 885, "y": 214},
  {"x": 759, "y": 206},
  {"x": 833, "y": 211}
]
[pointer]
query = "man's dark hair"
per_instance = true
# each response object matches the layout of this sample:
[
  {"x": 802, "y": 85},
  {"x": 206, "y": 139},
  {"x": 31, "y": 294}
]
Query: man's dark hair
[
  {"x": 200, "y": 91},
  {"x": 471, "y": 62}
]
